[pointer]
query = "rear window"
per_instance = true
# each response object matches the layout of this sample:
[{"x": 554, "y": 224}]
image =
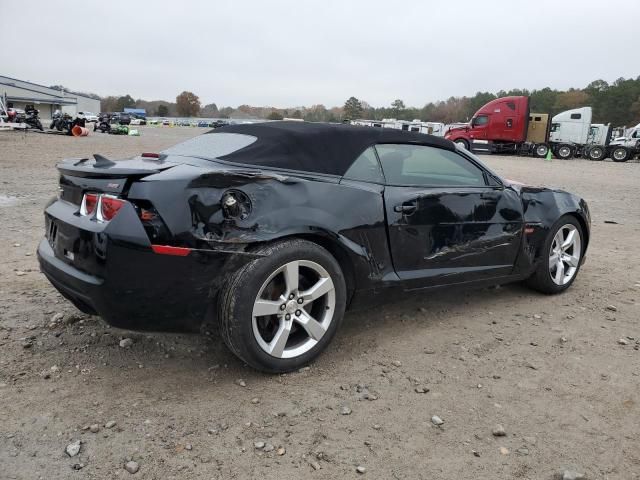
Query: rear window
[{"x": 212, "y": 145}]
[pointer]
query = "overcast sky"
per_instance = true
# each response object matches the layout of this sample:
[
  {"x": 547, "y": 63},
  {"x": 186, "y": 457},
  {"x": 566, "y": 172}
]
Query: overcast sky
[{"x": 292, "y": 53}]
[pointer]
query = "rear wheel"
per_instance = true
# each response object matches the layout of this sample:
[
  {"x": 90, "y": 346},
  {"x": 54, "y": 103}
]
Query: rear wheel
[
  {"x": 620, "y": 154},
  {"x": 280, "y": 311},
  {"x": 564, "y": 152},
  {"x": 596, "y": 153},
  {"x": 541, "y": 150},
  {"x": 559, "y": 265},
  {"x": 463, "y": 143}
]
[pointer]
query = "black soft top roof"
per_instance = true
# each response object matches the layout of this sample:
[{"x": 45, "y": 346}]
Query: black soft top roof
[{"x": 316, "y": 147}]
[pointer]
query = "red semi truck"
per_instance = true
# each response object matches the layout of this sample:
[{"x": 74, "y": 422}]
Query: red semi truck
[{"x": 506, "y": 125}]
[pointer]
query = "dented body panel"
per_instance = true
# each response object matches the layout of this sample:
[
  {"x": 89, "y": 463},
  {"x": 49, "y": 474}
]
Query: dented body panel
[{"x": 453, "y": 236}]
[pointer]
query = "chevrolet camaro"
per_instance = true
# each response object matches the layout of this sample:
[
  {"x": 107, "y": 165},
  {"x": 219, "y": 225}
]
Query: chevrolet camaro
[{"x": 274, "y": 229}]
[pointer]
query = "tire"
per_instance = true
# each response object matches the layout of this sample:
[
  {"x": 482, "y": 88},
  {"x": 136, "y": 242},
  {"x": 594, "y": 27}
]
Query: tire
[
  {"x": 462, "y": 142},
  {"x": 620, "y": 154},
  {"x": 540, "y": 150},
  {"x": 564, "y": 152},
  {"x": 254, "y": 338},
  {"x": 545, "y": 278},
  {"x": 596, "y": 153}
]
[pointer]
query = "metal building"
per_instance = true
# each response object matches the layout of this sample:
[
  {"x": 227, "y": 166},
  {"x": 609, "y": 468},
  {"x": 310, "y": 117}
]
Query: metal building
[{"x": 21, "y": 94}]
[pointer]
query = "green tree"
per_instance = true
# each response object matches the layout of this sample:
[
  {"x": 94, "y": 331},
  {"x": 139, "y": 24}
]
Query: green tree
[
  {"x": 352, "y": 109},
  {"x": 188, "y": 104},
  {"x": 275, "y": 115},
  {"x": 162, "y": 111},
  {"x": 210, "y": 110},
  {"x": 125, "y": 101},
  {"x": 397, "y": 106},
  {"x": 109, "y": 104}
]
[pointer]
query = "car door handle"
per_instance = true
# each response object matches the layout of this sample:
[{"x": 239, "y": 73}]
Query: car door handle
[{"x": 407, "y": 208}]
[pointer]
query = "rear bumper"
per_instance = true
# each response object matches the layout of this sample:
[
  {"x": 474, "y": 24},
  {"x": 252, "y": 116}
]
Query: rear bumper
[{"x": 129, "y": 285}]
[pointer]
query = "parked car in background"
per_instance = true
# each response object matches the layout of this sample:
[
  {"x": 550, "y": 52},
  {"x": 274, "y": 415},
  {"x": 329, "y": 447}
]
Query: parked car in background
[
  {"x": 88, "y": 116},
  {"x": 276, "y": 228},
  {"x": 218, "y": 123},
  {"x": 124, "y": 118},
  {"x": 166, "y": 122},
  {"x": 138, "y": 121},
  {"x": 203, "y": 123}
]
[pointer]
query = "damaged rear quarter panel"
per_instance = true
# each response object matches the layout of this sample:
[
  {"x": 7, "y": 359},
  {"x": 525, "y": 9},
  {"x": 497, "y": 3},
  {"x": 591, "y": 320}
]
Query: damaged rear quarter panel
[{"x": 283, "y": 204}]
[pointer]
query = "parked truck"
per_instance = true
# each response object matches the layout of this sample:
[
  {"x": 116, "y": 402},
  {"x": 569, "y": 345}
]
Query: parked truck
[
  {"x": 506, "y": 125},
  {"x": 627, "y": 146}
]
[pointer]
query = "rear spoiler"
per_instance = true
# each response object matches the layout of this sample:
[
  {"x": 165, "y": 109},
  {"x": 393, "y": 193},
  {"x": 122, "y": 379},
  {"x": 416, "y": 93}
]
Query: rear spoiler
[{"x": 102, "y": 167}]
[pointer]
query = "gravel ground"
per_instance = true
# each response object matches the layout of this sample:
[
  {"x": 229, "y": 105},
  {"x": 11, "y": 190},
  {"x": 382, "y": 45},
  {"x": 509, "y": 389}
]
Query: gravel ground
[{"x": 527, "y": 386}]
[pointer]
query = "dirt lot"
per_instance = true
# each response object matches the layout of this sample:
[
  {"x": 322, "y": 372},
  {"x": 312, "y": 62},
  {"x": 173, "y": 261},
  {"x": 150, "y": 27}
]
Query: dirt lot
[{"x": 560, "y": 374}]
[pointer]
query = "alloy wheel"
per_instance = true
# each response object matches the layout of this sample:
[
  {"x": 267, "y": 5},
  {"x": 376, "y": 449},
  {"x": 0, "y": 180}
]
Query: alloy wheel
[
  {"x": 293, "y": 309},
  {"x": 619, "y": 154},
  {"x": 596, "y": 153},
  {"x": 564, "y": 255},
  {"x": 564, "y": 152},
  {"x": 541, "y": 150}
]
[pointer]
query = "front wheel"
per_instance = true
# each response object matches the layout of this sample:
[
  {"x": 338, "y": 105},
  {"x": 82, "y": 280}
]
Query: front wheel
[
  {"x": 280, "y": 311},
  {"x": 561, "y": 257},
  {"x": 463, "y": 143},
  {"x": 620, "y": 154}
]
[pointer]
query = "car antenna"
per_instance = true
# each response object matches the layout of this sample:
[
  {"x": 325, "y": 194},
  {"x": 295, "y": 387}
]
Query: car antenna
[{"x": 102, "y": 162}]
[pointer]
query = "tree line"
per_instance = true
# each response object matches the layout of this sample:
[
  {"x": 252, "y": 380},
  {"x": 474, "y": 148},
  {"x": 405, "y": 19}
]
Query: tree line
[{"x": 617, "y": 103}]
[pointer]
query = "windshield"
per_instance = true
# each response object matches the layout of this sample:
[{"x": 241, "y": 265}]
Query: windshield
[{"x": 211, "y": 145}]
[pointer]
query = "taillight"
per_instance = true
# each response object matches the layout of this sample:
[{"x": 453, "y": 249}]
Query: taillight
[
  {"x": 103, "y": 206},
  {"x": 89, "y": 203},
  {"x": 109, "y": 206}
]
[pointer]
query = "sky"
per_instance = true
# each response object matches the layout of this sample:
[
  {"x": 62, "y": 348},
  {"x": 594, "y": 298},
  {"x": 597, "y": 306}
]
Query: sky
[{"x": 287, "y": 53}]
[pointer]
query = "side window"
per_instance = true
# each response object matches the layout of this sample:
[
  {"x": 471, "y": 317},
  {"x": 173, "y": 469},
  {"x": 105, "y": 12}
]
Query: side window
[
  {"x": 365, "y": 168},
  {"x": 480, "y": 120},
  {"x": 576, "y": 116},
  {"x": 418, "y": 165}
]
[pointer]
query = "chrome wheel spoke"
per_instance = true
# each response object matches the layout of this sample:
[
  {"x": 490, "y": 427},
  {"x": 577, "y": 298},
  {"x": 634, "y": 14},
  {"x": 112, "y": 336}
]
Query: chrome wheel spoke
[
  {"x": 559, "y": 276},
  {"x": 570, "y": 260},
  {"x": 568, "y": 241},
  {"x": 553, "y": 259},
  {"x": 266, "y": 307},
  {"x": 279, "y": 341},
  {"x": 314, "y": 328},
  {"x": 292, "y": 276},
  {"x": 320, "y": 288}
]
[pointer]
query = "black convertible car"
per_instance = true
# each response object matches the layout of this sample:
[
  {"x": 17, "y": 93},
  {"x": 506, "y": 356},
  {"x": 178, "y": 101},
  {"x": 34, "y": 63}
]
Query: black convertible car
[{"x": 274, "y": 229}]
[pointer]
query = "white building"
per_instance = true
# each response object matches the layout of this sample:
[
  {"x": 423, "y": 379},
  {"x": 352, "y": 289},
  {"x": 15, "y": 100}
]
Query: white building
[{"x": 20, "y": 94}]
